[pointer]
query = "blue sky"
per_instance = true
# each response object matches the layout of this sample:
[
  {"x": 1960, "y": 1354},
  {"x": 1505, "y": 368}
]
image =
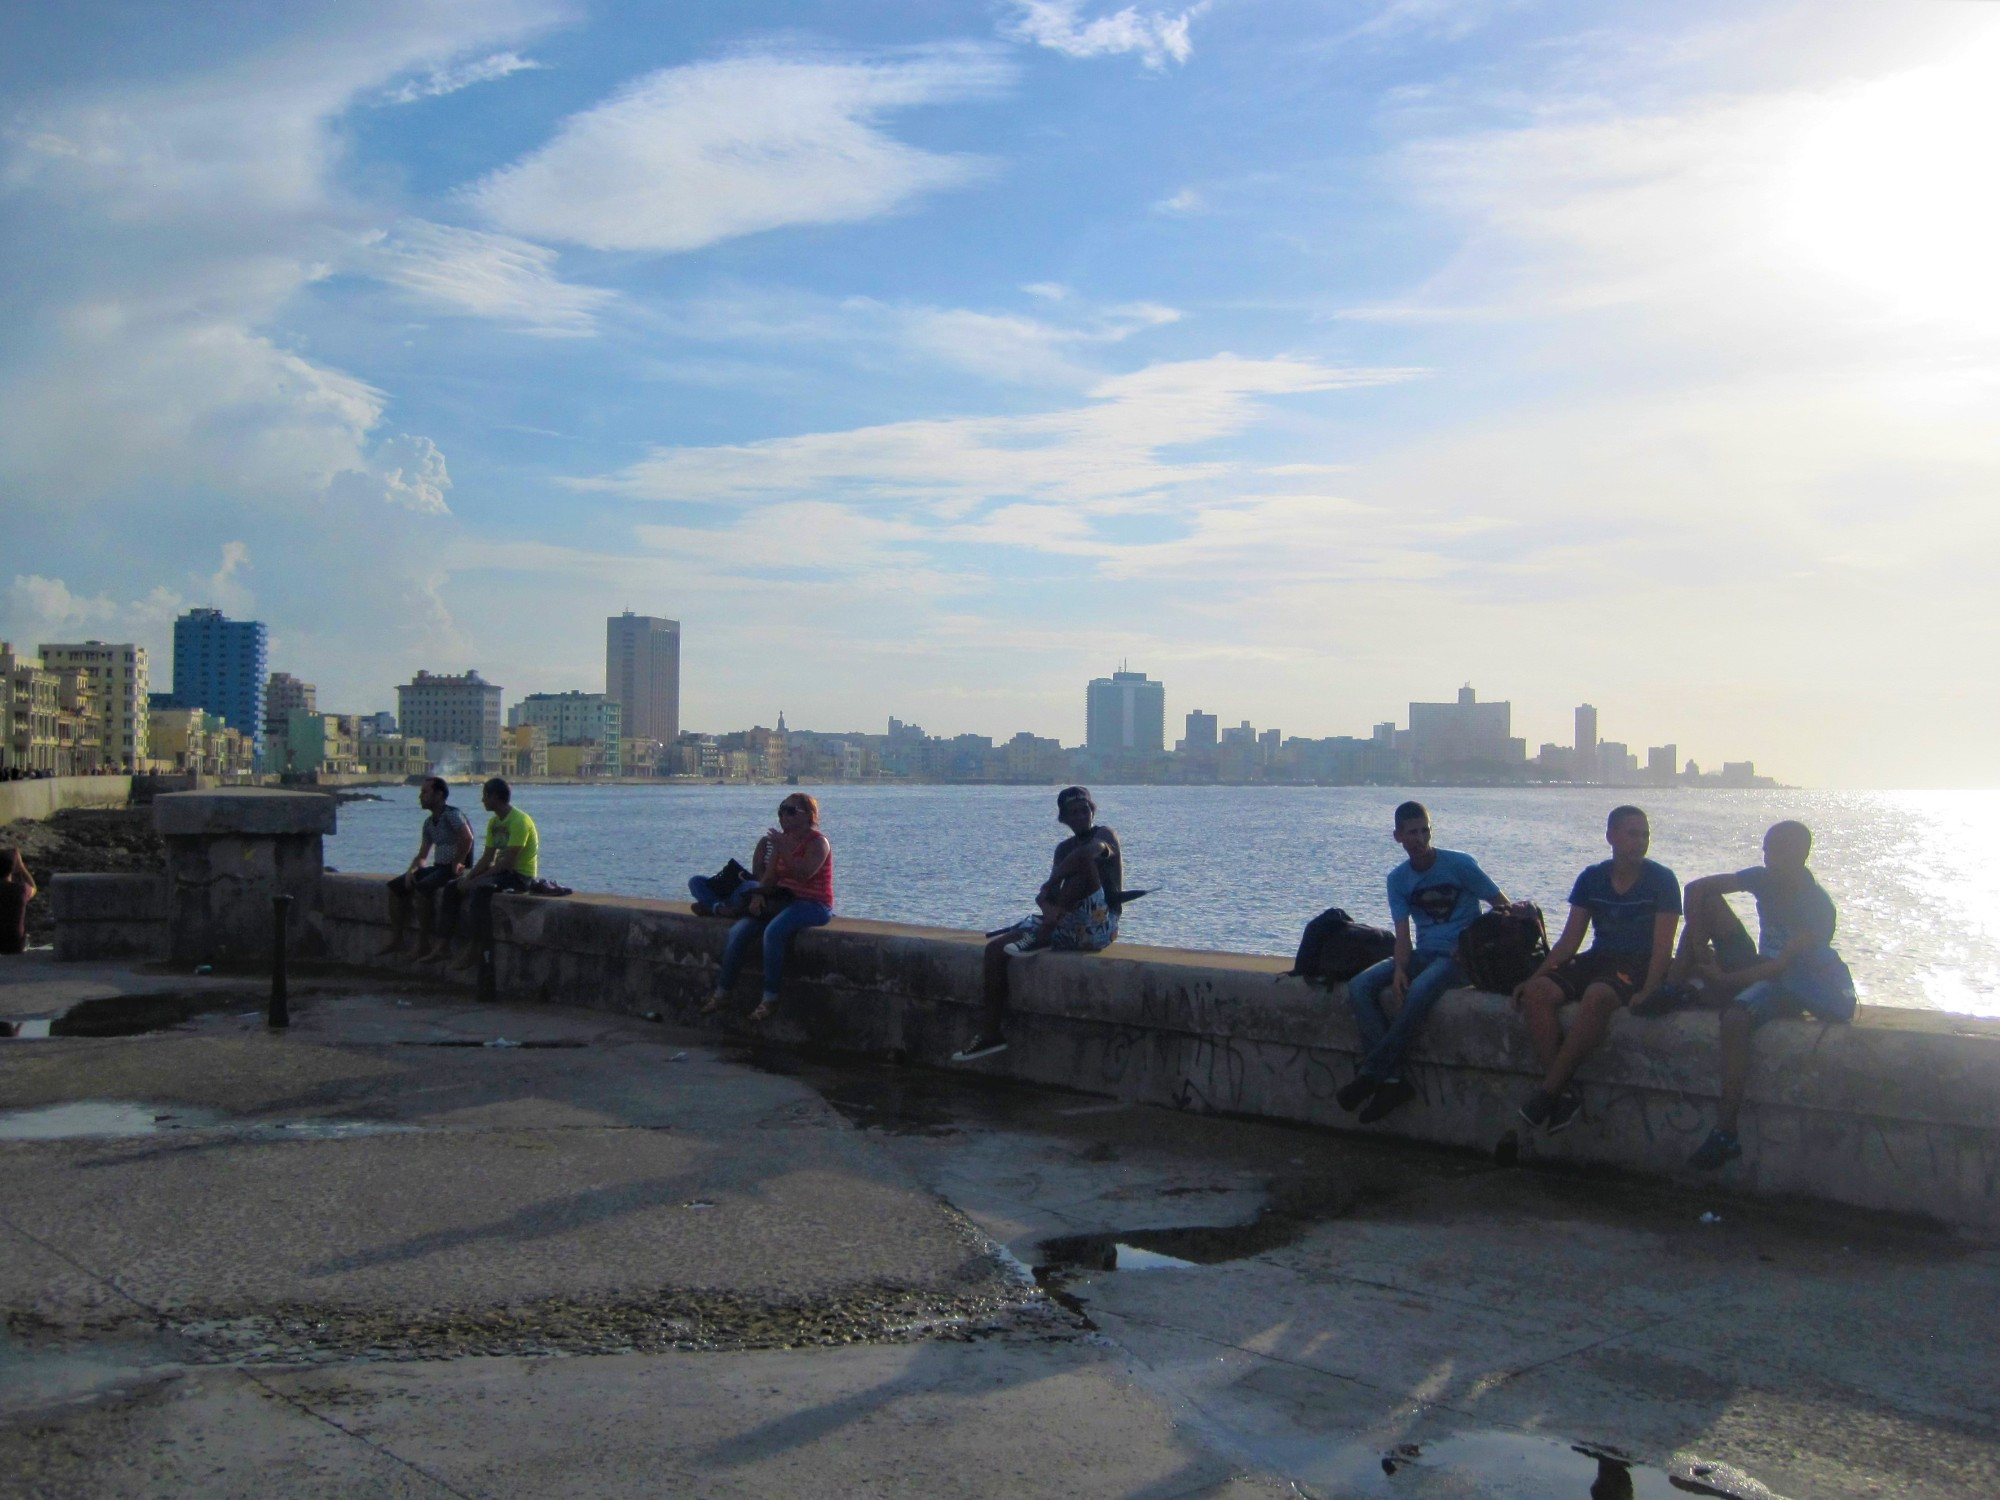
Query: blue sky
[{"x": 931, "y": 359}]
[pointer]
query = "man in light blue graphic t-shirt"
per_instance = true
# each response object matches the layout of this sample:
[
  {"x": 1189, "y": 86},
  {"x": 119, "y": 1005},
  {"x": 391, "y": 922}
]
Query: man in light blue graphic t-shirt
[{"x": 1433, "y": 895}]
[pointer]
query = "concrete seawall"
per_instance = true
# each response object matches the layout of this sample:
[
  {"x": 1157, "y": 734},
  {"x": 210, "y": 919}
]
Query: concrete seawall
[
  {"x": 1899, "y": 1111},
  {"x": 36, "y": 800}
]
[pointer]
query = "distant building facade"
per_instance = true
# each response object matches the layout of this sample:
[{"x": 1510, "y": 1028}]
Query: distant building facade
[
  {"x": 119, "y": 691},
  {"x": 220, "y": 665},
  {"x": 642, "y": 674},
  {"x": 1464, "y": 736},
  {"x": 572, "y": 721},
  {"x": 453, "y": 709},
  {"x": 282, "y": 693},
  {"x": 1125, "y": 714}
]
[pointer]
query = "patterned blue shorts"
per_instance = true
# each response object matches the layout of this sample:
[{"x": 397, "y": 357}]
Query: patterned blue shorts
[{"x": 1089, "y": 928}]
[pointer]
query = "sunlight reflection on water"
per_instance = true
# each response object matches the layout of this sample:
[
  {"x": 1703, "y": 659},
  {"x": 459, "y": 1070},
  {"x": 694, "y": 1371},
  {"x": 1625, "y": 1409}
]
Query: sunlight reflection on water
[{"x": 1242, "y": 868}]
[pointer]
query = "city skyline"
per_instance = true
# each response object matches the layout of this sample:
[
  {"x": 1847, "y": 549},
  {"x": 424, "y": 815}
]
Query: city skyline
[{"x": 929, "y": 360}]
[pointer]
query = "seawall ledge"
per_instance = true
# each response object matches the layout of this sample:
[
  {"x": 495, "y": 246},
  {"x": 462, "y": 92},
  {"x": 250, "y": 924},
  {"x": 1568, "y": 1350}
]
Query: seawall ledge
[{"x": 1899, "y": 1111}]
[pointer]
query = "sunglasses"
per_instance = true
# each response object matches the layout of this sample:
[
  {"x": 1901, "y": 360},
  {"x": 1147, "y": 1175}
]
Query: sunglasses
[{"x": 786, "y": 807}]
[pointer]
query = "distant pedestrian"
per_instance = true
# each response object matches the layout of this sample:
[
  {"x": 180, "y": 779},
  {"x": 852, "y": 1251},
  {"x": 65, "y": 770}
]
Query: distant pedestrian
[
  {"x": 1632, "y": 905},
  {"x": 17, "y": 889},
  {"x": 443, "y": 852},
  {"x": 510, "y": 861},
  {"x": 791, "y": 889},
  {"x": 1076, "y": 911},
  {"x": 1792, "y": 970},
  {"x": 1436, "y": 891}
]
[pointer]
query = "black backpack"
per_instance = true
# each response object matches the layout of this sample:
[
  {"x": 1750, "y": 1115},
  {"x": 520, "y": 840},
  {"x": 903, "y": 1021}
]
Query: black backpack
[
  {"x": 1335, "y": 947},
  {"x": 1499, "y": 949}
]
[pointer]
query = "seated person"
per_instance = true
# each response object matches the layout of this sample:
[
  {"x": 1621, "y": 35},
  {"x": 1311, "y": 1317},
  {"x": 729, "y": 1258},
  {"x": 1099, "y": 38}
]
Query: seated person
[
  {"x": 1632, "y": 905},
  {"x": 1439, "y": 891},
  {"x": 1076, "y": 911},
  {"x": 447, "y": 845},
  {"x": 17, "y": 889},
  {"x": 511, "y": 859},
  {"x": 1793, "y": 969},
  {"x": 792, "y": 889}
]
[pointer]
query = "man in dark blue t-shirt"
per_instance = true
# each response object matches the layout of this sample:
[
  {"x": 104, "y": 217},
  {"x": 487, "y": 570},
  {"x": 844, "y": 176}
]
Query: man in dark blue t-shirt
[
  {"x": 1632, "y": 905},
  {"x": 1792, "y": 970},
  {"x": 1437, "y": 892}
]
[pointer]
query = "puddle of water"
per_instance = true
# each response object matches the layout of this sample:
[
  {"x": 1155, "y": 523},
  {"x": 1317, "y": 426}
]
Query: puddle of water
[
  {"x": 1168, "y": 1249},
  {"x": 98, "y": 1117},
  {"x": 1519, "y": 1466},
  {"x": 115, "y": 1118}
]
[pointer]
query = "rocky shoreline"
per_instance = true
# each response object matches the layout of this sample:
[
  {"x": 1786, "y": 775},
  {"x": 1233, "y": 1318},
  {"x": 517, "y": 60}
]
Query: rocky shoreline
[{"x": 81, "y": 840}]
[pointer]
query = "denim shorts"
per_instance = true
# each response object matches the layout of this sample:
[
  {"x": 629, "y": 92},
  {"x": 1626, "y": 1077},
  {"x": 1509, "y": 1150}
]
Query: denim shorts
[{"x": 1825, "y": 997}]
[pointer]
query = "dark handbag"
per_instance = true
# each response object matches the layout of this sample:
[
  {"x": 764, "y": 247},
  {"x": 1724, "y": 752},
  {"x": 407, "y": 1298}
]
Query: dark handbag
[
  {"x": 1499, "y": 949},
  {"x": 1335, "y": 947},
  {"x": 725, "y": 880}
]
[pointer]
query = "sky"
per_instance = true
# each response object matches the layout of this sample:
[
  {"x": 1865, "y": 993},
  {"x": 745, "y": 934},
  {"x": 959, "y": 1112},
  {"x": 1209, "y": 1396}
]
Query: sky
[{"x": 1312, "y": 356}]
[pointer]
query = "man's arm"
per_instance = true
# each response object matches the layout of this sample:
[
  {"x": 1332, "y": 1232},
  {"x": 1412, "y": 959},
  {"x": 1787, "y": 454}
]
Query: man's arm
[
  {"x": 1402, "y": 979},
  {"x": 1565, "y": 948},
  {"x": 462, "y": 850},
  {"x": 1704, "y": 886},
  {"x": 1664, "y": 924},
  {"x": 423, "y": 848}
]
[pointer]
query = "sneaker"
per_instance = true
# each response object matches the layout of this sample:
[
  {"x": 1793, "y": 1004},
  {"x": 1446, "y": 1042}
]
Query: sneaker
[
  {"x": 1390, "y": 1096},
  {"x": 985, "y": 1044},
  {"x": 1535, "y": 1112},
  {"x": 1563, "y": 1110},
  {"x": 1029, "y": 944},
  {"x": 1351, "y": 1096},
  {"x": 1720, "y": 1148}
]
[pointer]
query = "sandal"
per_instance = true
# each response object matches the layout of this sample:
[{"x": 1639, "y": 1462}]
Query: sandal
[
  {"x": 715, "y": 1003},
  {"x": 763, "y": 1012}
]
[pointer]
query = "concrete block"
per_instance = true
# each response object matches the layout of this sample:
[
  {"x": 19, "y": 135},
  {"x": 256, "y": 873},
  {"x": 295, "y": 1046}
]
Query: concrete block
[
  {"x": 243, "y": 811},
  {"x": 108, "y": 898}
]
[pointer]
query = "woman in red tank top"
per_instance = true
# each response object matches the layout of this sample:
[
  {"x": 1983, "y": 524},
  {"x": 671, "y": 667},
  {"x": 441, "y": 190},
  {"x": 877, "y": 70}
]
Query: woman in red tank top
[{"x": 793, "y": 868}]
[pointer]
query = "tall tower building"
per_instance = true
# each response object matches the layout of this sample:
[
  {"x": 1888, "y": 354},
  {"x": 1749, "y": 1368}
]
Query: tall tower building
[
  {"x": 219, "y": 667},
  {"x": 642, "y": 673},
  {"x": 282, "y": 694},
  {"x": 118, "y": 676},
  {"x": 1126, "y": 714},
  {"x": 1584, "y": 758}
]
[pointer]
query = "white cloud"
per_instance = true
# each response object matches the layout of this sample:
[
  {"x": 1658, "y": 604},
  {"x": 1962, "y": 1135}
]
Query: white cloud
[
  {"x": 404, "y": 471},
  {"x": 485, "y": 275},
  {"x": 693, "y": 155},
  {"x": 1157, "y": 37},
  {"x": 449, "y": 80},
  {"x": 1186, "y": 201},
  {"x": 36, "y": 609},
  {"x": 1107, "y": 454}
]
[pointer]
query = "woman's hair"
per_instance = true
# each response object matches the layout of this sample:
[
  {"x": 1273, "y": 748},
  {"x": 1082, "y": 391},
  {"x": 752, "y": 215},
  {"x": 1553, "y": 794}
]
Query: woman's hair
[{"x": 809, "y": 803}]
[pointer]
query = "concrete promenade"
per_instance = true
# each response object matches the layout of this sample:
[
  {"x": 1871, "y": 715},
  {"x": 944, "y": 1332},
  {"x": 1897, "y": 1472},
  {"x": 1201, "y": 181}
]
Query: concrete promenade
[{"x": 375, "y": 1256}]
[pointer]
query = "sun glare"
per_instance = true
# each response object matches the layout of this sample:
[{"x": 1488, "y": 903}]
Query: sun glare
[{"x": 1895, "y": 192}]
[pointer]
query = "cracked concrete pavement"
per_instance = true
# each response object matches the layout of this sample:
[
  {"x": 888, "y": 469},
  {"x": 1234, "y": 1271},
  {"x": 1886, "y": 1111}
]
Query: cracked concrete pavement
[{"x": 355, "y": 1262}]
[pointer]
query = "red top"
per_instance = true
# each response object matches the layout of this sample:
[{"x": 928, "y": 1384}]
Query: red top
[{"x": 818, "y": 886}]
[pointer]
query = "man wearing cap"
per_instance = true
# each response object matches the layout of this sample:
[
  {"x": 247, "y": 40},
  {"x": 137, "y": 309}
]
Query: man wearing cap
[{"x": 1076, "y": 912}]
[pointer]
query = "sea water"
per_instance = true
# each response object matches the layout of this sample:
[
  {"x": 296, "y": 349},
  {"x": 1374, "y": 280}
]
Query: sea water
[{"x": 1241, "y": 869}]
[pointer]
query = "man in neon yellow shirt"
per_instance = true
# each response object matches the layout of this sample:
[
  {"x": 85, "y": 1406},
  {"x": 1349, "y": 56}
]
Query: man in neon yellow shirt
[{"x": 509, "y": 862}]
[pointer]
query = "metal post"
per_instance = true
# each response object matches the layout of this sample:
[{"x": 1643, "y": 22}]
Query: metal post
[{"x": 281, "y": 1011}]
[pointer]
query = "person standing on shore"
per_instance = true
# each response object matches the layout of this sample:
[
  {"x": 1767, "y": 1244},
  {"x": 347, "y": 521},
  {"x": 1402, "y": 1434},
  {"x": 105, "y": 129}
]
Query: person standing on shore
[
  {"x": 793, "y": 891},
  {"x": 1632, "y": 905},
  {"x": 1076, "y": 911},
  {"x": 1437, "y": 891},
  {"x": 510, "y": 861},
  {"x": 447, "y": 846},
  {"x": 17, "y": 889},
  {"x": 1792, "y": 970}
]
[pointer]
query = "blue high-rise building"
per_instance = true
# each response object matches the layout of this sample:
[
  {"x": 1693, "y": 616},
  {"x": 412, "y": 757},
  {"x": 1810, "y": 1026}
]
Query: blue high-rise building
[{"x": 219, "y": 668}]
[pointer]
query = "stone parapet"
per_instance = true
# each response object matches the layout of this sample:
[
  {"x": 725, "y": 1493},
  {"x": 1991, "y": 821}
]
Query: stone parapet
[
  {"x": 101, "y": 917},
  {"x": 36, "y": 801},
  {"x": 1899, "y": 1111},
  {"x": 229, "y": 852}
]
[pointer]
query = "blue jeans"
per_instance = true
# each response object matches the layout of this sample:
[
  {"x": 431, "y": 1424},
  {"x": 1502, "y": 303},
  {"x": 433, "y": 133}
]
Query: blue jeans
[
  {"x": 777, "y": 931},
  {"x": 1383, "y": 1042},
  {"x": 702, "y": 888}
]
